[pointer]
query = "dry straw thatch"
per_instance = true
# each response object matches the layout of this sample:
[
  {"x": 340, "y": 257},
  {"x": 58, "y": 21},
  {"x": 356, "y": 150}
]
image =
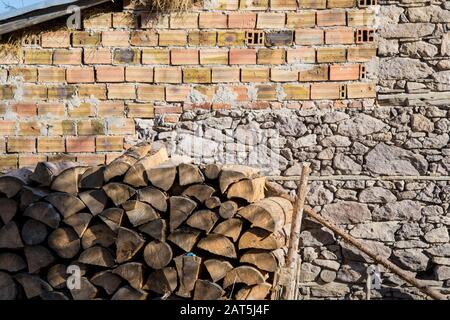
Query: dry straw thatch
[{"x": 167, "y": 5}]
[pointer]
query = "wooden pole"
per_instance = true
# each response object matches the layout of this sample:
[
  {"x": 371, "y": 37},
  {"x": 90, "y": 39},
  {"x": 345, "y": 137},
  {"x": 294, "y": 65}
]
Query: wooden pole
[
  {"x": 275, "y": 188},
  {"x": 296, "y": 225}
]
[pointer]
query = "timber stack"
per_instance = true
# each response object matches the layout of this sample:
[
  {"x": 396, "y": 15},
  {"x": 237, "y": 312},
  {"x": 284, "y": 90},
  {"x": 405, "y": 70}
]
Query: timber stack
[{"x": 145, "y": 226}]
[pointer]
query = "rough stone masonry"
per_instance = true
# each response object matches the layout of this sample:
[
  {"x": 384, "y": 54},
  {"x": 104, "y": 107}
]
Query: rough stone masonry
[{"x": 290, "y": 80}]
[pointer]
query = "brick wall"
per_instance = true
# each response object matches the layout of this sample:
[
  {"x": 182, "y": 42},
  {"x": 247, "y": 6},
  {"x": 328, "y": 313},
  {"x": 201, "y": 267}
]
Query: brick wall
[{"x": 79, "y": 94}]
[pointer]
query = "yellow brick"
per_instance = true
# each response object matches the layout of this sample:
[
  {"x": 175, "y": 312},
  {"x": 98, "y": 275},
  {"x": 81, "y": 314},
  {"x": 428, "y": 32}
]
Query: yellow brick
[
  {"x": 172, "y": 38},
  {"x": 92, "y": 90},
  {"x": 361, "y": 90},
  {"x": 197, "y": 75},
  {"x": 283, "y": 4},
  {"x": 225, "y": 74},
  {"x": 51, "y": 110},
  {"x": 331, "y": 55},
  {"x": 301, "y": 19},
  {"x": 140, "y": 110},
  {"x": 121, "y": 126},
  {"x": 271, "y": 56},
  {"x": 8, "y": 162},
  {"x": 61, "y": 92},
  {"x": 230, "y": 38},
  {"x": 20, "y": 144},
  {"x": 312, "y": 4},
  {"x": 59, "y": 128},
  {"x": 31, "y": 128},
  {"x": 203, "y": 38},
  {"x": 58, "y": 39},
  {"x": 361, "y": 54},
  {"x": 316, "y": 73},
  {"x": 85, "y": 39},
  {"x": 34, "y": 92},
  {"x": 341, "y": 3},
  {"x": 257, "y": 74},
  {"x": 150, "y": 93},
  {"x": 51, "y": 144},
  {"x": 121, "y": 91},
  {"x": 91, "y": 127},
  {"x": 52, "y": 75},
  {"x": 326, "y": 91},
  {"x": 82, "y": 111},
  {"x": 155, "y": 56},
  {"x": 214, "y": 56},
  {"x": 177, "y": 93},
  {"x": 98, "y": 21},
  {"x": 108, "y": 143},
  {"x": 271, "y": 20},
  {"x": 25, "y": 73},
  {"x": 168, "y": 75},
  {"x": 283, "y": 75},
  {"x": 222, "y": 5},
  {"x": 124, "y": 20},
  {"x": 111, "y": 109},
  {"x": 254, "y": 4},
  {"x": 266, "y": 92},
  {"x": 296, "y": 91},
  {"x": 184, "y": 21},
  {"x": 360, "y": 18},
  {"x": 127, "y": 56},
  {"x": 34, "y": 56}
]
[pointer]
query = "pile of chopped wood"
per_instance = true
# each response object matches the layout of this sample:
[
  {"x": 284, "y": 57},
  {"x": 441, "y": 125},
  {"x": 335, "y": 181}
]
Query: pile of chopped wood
[{"x": 142, "y": 227}]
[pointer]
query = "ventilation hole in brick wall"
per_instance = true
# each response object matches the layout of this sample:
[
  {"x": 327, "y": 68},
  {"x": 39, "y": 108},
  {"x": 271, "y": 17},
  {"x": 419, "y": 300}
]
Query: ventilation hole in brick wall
[
  {"x": 365, "y": 35},
  {"x": 366, "y": 3},
  {"x": 342, "y": 92},
  {"x": 254, "y": 37},
  {"x": 139, "y": 21},
  {"x": 362, "y": 72},
  {"x": 31, "y": 40}
]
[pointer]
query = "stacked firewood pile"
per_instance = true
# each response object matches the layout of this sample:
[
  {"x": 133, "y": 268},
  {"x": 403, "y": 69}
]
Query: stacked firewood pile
[{"x": 143, "y": 227}]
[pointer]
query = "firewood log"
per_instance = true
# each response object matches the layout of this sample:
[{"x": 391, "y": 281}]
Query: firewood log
[
  {"x": 184, "y": 237},
  {"x": 251, "y": 190},
  {"x": 30, "y": 195},
  {"x": 203, "y": 220},
  {"x": 46, "y": 172},
  {"x": 112, "y": 217},
  {"x": 180, "y": 209},
  {"x": 92, "y": 178},
  {"x": 201, "y": 192},
  {"x": 189, "y": 174},
  {"x": 230, "y": 228},
  {"x": 8, "y": 209},
  {"x": 156, "y": 229},
  {"x": 262, "y": 259},
  {"x": 163, "y": 281},
  {"x": 12, "y": 182},
  {"x": 261, "y": 239},
  {"x": 107, "y": 280},
  {"x": 139, "y": 213},
  {"x": 99, "y": 234},
  {"x": 87, "y": 290},
  {"x": 11, "y": 262},
  {"x": 53, "y": 296},
  {"x": 136, "y": 175},
  {"x": 65, "y": 203},
  {"x": 129, "y": 293},
  {"x": 188, "y": 268},
  {"x": 32, "y": 285},
  {"x": 132, "y": 272},
  {"x": 119, "y": 166},
  {"x": 228, "y": 209},
  {"x": 128, "y": 243},
  {"x": 43, "y": 212},
  {"x": 119, "y": 192},
  {"x": 218, "y": 245},
  {"x": 243, "y": 274},
  {"x": 34, "y": 232},
  {"x": 217, "y": 268},
  {"x": 231, "y": 174},
  {"x": 10, "y": 236},
  {"x": 256, "y": 292},
  {"x": 213, "y": 203},
  {"x": 206, "y": 290},
  {"x": 212, "y": 171},
  {"x": 68, "y": 180},
  {"x": 97, "y": 256},
  {"x": 95, "y": 200},
  {"x": 65, "y": 242},
  {"x": 157, "y": 254},
  {"x": 79, "y": 222},
  {"x": 38, "y": 257},
  {"x": 57, "y": 276},
  {"x": 163, "y": 176},
  {"x": 8, "y": 288},
  {"x": 154, "y": 197}
]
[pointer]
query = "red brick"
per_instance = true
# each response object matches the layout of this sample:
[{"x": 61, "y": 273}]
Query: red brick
[
  {"x": 91, "y": 159},
  {"x": 108, "y": 143},
  {"x": 325, "y": 91},
  {"x": 80, "y": 75},
  {"x": 340, "y": 36},
  {"x": 110, "y": 74},
  {"x": 30, "y": 160},
  {"x": 225, "y": 74},
  {"x": 97, "y": 91},
  {"x": 97, "y": 56},
  {"x": 21, "y": 144},
  {"x": 329, "y": 18},
  {"x": 24, "y": 109},
  {"x": 361, "y": 90},
  {"x": 144, "y": 38},
  {"x": 168, "y": 75},
  {"x": 52, "y": 75},
  {"x": 56, "y": 39},
  {"x": 283, "y": 75},
  {"x": 301, "y": 55},
  {"x": 121, "y": 91},
  {"x": 150, "y": 93},
  {"x": 283, "y": 4},
  {"x": 344, "y": 72},
  {"x": 51, "y": 144},
  {"x": 213, "y": 20},
  {"x": 115, "y": 38},
  {"x": 80, "y": 144},
  {"x": 184, "y": 56},
  {"x": 139, "y": 74},
  {"x": 271, "y": 20},
  {"x": 177, "y": 93},
  {"x": 31, "y": 128},
  {"x": 111, "y": 109},
  {"x": 70, "y": 57},
  {"x": 242, "y": 56},
  {"x": 187, "y": 20},
  {"x": 309, "y": 36},
  {"x": 51, "y": 110},
  {"x": 242, "y": 20},
  {"x": 140, "y": 110}
]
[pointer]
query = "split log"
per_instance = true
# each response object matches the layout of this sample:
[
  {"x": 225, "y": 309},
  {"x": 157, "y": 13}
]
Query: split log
[
  {"x": 79, "y": 222},
  {"x": 230, "y": 228},
  {"x": 206, "y": 290},
  {"x": 32, "y": 285},
  {"x": 267, "y": 214},
  {"x": 164, "y": 175},
  {"x": 132, "y": 272},
  {"x": 68, "y": 180},
  {"x": 157, "y": 254},
  {"x": 212, "y": 171},
  {"x": 201, "y": 192},
  {"x": 65, "y": 203},
  {"x": 217, "y": 269},
  {"x": 65, "y": 242},
  {"x": 189, "y": 174},
  {"x": 112, "y": 217},
  {"x": 231, "y": 174},
  {"x": 136, "y": 175},
  {"x": 139, "y": 212},
  {"x": 203, "y": 220},
  {"x": 95, "y": 200},
  {"x": 119, "y": 166},
  {"x": 107, "y": 280},
  {"x": 57, "y": 276},
  {"x": 30, "y": 195},
  {"x": 53, "y": 296},
  {"x": 185, "y": 238},
  {"x": 8, "y": 209},
  {"x": 213, "y": 203},
  {"x": 87, "y": 290},
  {"x": 128, "y": 243},
  {"x": 99, "y": 234},
  {"x": 188, "y": 268},
  {"x": 228, "y": 209},
  {"x": 92, "y": 178},
  {"x": 97, "y": 256},
  {"x": 11, "y": 262},
  {"x": 218, "y": 245},
  {"x": 12, "y": 182},
  {"x": 154, "y": 197},
  {"x": 156, "y": 229},
  {"x": 38, "y": 257},
  {"x": 262, "y": 259},
  {"x": 180, "y": 209},
  {"x": 261, "y": 239},
  {"x": 256, "y": 292},
  {"x": 163, "y": 281},
  {"x": 129, "y": 293},
  {"x": 243, "y": 274},
  {"x": 251, "y": 190},
  {"x": 8, "y": 288},
  {"x": 34, "y": 232},
  {"x": 43, "y": 212},
  {"x": 46, "y": 172},
  {"x": 10, "y": 237},
  {"x": 119, "y": 192}
]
